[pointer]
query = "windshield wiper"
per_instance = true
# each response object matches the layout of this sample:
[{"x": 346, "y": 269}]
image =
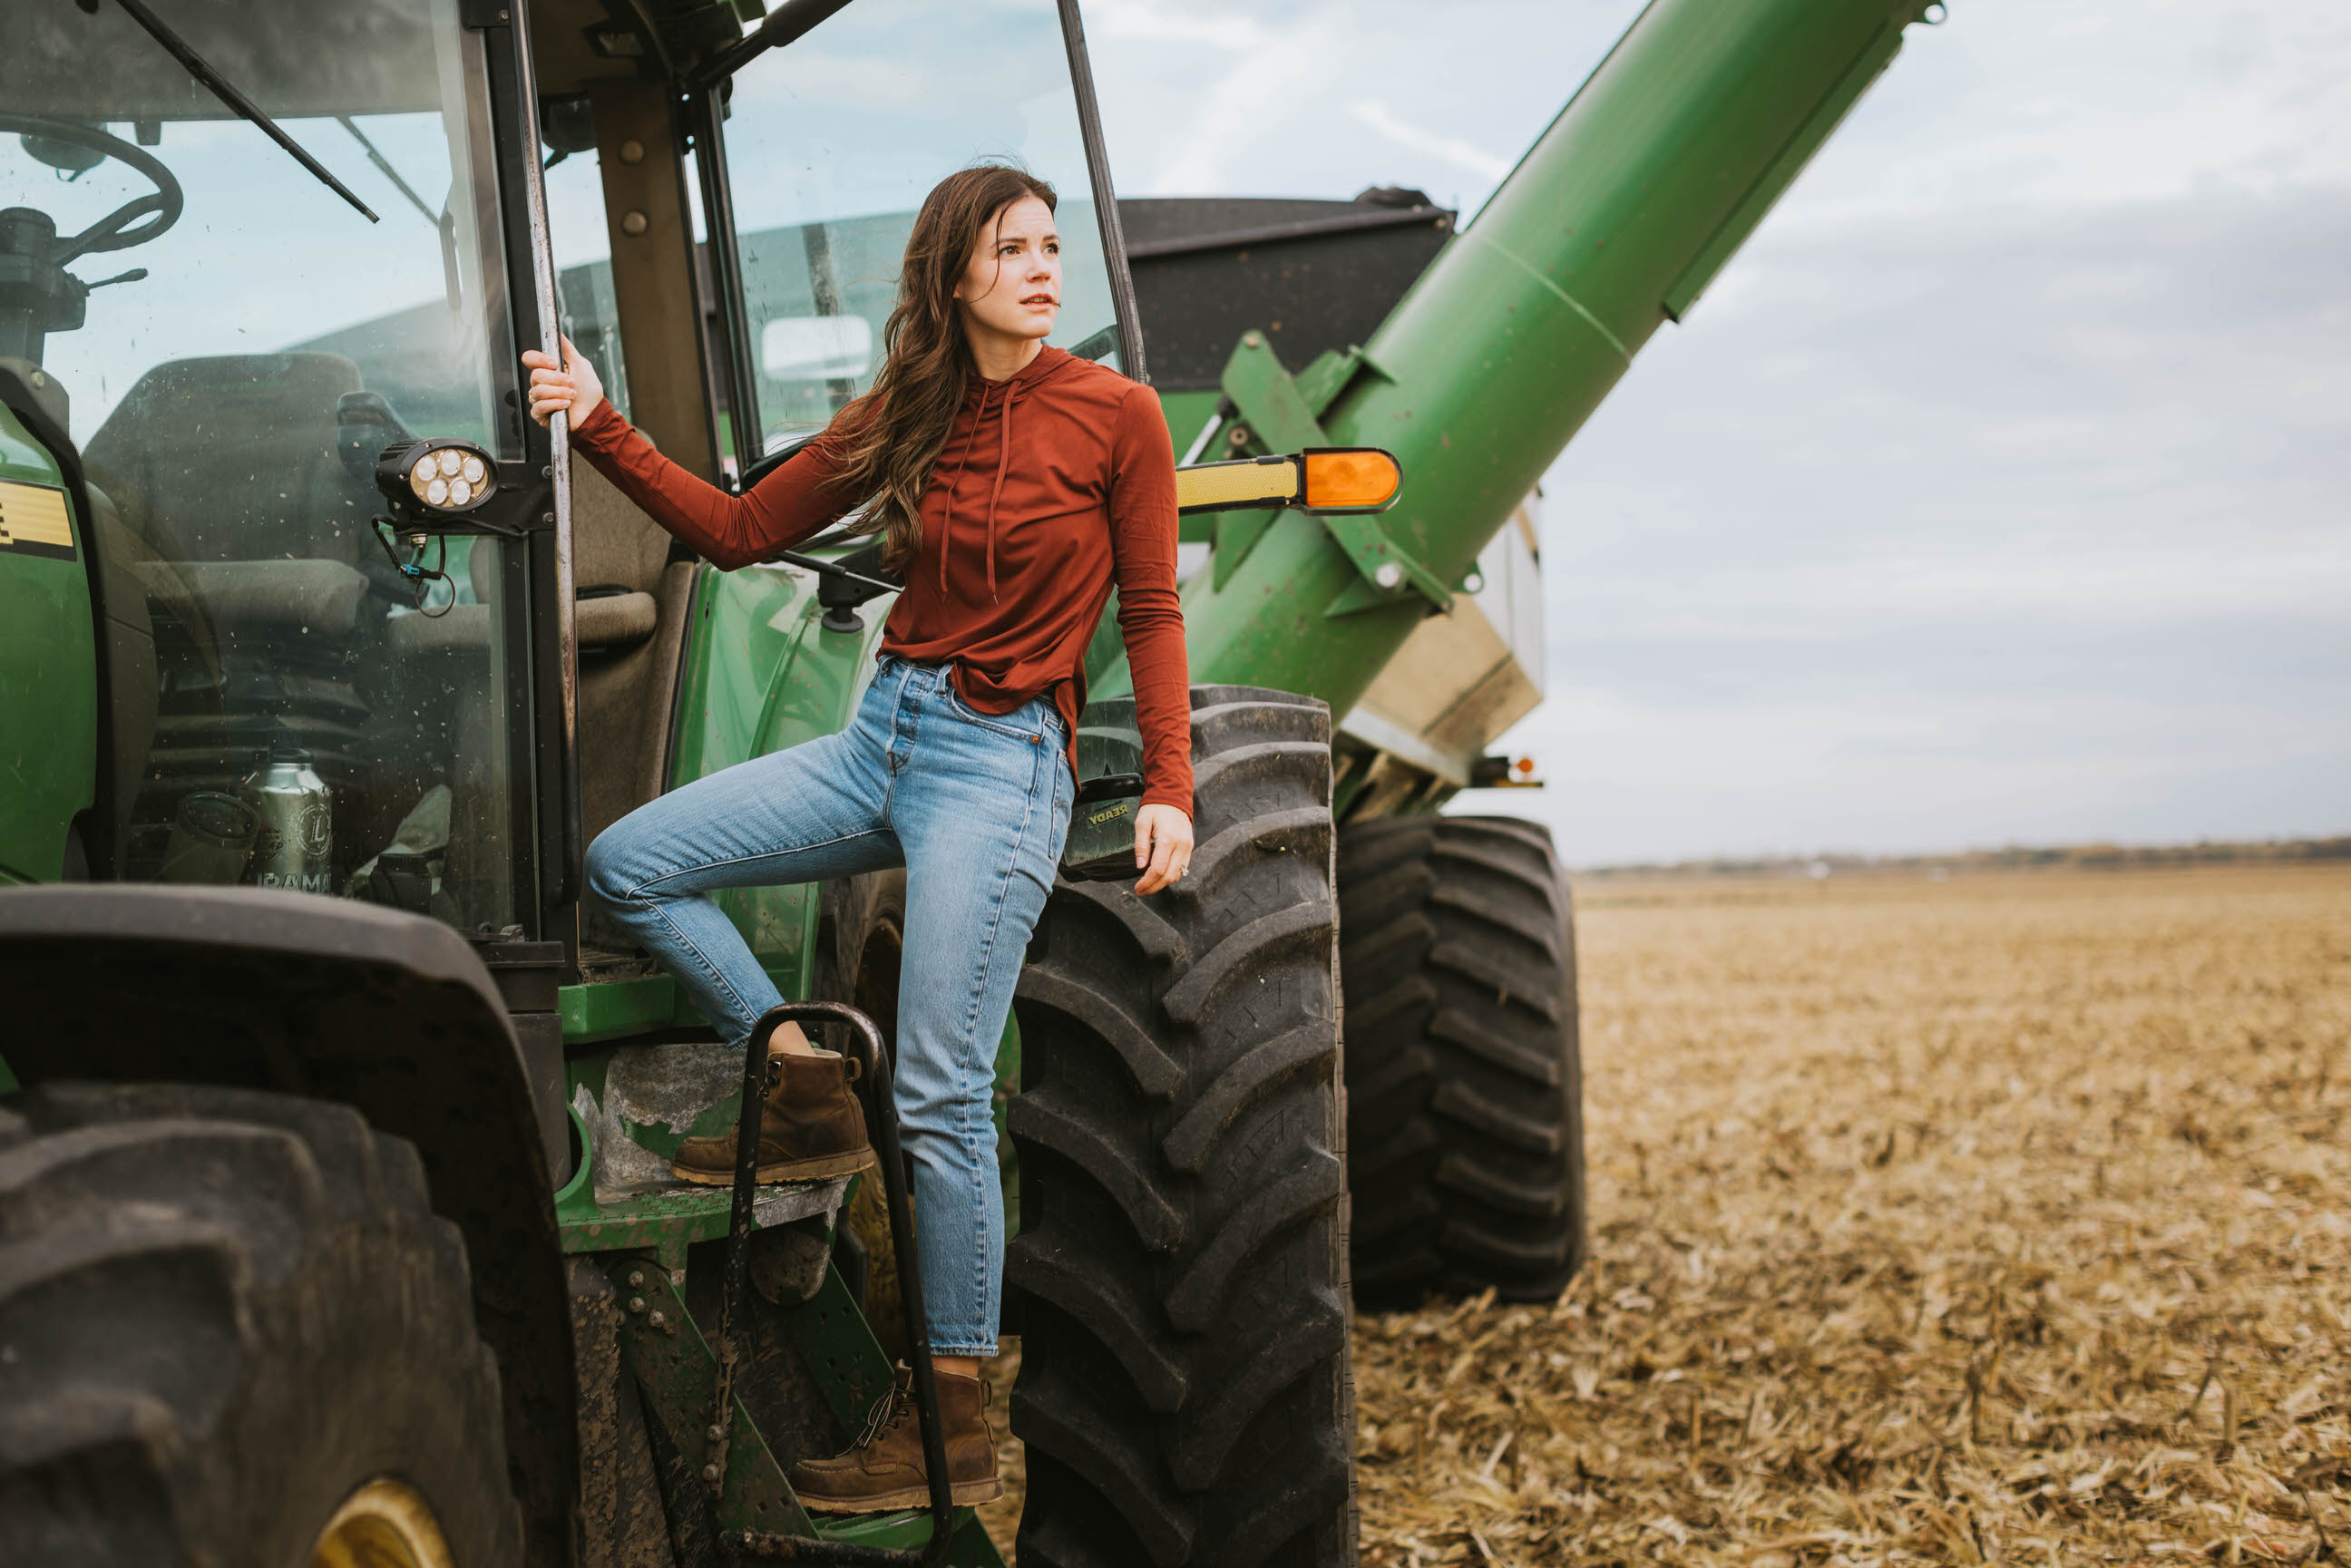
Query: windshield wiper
[
  {"x": 222, "y": 88},
  {"x": 443, "y": 224},
  {"x": 383, "y": 166}
]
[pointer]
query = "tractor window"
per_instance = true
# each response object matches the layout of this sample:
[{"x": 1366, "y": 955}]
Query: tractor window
[
  {"x": 832, "y": 145},
  {"x": 292, "y": 716}
]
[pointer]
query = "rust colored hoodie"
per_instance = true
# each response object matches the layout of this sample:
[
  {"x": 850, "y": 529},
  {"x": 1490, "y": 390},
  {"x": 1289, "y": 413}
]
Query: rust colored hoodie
[{"x": 1055, "y": 482}]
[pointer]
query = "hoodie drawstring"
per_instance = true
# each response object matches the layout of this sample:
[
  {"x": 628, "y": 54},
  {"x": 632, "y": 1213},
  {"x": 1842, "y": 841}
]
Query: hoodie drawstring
[
  {"x": 946, "y": 523},
  {"x": 1003, "y": 465}
]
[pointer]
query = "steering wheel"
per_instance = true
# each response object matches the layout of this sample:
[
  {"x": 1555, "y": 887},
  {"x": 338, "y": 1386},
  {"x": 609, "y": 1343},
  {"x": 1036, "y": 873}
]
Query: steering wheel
[{"x": 135, "y": 222}]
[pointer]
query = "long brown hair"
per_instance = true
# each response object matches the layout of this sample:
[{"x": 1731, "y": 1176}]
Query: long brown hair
[{"x": 900, "y": 425}]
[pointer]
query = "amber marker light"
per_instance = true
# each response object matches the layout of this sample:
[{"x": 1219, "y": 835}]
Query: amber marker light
[
  {"x": 1319, "y": 479},
  {"x": 1350, "y": 479}
]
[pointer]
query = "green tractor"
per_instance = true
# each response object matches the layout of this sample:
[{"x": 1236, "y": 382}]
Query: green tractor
[{"x": 336, "y": 1223}]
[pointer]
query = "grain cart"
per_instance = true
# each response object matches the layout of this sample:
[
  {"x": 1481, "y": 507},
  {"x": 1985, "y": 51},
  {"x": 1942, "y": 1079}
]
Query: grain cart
[{"x": 334, "y": 1218}]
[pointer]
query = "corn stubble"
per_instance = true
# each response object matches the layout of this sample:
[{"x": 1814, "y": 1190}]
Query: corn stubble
[
  {"x": 1999, "y": 1220},
  {"x": 1996, "y": 1220}
]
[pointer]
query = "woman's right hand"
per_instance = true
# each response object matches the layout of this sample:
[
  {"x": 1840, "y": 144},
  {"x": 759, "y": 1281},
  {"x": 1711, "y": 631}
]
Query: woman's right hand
[{"x": 575, "y": 390}]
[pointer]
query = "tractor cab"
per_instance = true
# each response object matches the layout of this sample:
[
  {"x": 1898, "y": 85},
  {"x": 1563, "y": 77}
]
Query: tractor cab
[
  {"x": 219, "y": 331},
  {"x": 218, "y": 343}
]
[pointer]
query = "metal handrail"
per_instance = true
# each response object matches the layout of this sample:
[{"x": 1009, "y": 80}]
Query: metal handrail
[{"x": 882, "y": 1117}]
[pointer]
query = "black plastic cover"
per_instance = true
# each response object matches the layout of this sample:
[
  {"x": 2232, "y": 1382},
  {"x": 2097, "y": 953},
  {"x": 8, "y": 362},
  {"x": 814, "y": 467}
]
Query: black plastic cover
[{"x": 1313, "y": 276}]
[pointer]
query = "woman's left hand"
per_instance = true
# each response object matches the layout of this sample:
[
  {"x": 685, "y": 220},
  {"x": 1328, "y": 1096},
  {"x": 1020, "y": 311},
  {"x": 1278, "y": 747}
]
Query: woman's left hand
[{"x": 1163, "y": 847}]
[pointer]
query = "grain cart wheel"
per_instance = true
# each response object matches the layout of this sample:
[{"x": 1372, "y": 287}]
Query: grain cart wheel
[
  {"x": 1180, "y": 1275},
  {"x": 233, "y": 1331},
  {"x": 1465, "y": 1093}
]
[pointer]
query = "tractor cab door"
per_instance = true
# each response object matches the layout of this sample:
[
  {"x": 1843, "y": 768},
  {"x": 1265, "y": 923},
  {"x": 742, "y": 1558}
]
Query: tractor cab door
[
  {"x": 811, "y": 178},
  {"x": 227, "y": 340}
]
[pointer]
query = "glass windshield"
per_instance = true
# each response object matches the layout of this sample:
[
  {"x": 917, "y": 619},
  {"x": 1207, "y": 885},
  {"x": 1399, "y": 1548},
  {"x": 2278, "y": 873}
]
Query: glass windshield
[
  {"x": 305, "y": 723},
  {"x": 833, "y": 143}
]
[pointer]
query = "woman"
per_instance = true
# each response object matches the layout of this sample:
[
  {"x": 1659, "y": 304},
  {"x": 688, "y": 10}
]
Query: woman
[{"x": 1013, "y": 485}]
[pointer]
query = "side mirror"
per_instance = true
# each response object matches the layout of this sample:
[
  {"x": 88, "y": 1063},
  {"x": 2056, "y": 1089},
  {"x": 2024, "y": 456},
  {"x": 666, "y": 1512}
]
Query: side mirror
[{"x": 1318, "y": 479}]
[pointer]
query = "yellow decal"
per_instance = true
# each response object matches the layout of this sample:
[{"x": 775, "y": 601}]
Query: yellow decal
[
  {"x": 33, "y": 519},
  {"x": 1099, "y": 817},
  {"x": 1220, "y": 484}
]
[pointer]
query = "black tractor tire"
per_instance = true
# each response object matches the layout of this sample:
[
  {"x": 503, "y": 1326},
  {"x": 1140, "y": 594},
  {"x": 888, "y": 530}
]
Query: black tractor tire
[
  {"x": 1180, "y": 1275},
  {"x": 860, "y": 939},
  {"x": 222, "y": 1313},
  {"x": 1465, "y": 1085}
]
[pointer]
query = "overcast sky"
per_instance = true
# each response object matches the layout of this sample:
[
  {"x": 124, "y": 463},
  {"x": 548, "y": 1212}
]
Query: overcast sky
[{"x": 2001, "y": 489}]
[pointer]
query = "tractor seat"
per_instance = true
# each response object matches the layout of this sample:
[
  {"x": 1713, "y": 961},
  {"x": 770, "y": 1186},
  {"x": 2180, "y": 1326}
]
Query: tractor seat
[
  {"x": 233, "y": 457},
  {"x": 614, "y": 617},
  {"x": 322, "y": 597}
]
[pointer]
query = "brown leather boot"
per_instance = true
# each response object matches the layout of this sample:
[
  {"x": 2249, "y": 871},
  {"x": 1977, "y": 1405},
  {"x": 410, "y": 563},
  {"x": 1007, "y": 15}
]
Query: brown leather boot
[
  {"x": 810, "y": 1126},
  {"x": 884, "y": 1472}
]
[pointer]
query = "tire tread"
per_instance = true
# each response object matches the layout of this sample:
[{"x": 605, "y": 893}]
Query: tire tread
[
  {"x": 1189, "y": 1405},
  {"x": 181, "y": 1267},
  {"x": 1465, "y": 1086}
]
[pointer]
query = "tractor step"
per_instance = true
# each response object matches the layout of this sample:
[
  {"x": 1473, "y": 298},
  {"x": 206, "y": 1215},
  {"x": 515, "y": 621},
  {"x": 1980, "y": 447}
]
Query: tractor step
[{"x": 873, "y": 1085}]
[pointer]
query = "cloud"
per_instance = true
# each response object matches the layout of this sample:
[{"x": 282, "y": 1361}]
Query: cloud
[
  {"x": 1452, "y": 148},
  {"x": 2074, "y": 103},
  {"x": 1135, "y": 21},
  {"x": 1257, "y": 101},
  {"x": 1964, "y": 527}
]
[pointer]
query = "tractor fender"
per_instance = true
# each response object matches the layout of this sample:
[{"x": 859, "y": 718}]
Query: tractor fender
[
  {"x": 762, "y": 673},
  {"x": 390, "y": 1013}
]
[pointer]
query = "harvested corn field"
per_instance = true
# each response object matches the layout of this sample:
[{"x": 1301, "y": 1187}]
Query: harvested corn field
[
  {"x": 1995, "y": 1220},
  {"x": 2000, "y": 1219}
]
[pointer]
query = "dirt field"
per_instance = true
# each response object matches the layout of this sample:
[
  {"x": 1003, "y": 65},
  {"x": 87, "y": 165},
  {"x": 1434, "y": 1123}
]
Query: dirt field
[{"x": 2002, "y": 1220}]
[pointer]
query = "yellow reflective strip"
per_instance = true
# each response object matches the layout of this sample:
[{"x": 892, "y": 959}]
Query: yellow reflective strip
[
  {"x": 1234, "y": 483},
  {"x": 33, "y": 515}
]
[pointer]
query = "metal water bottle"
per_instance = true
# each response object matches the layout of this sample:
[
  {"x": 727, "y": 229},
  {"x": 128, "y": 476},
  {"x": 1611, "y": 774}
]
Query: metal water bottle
[{"x": 295, "y": 844}]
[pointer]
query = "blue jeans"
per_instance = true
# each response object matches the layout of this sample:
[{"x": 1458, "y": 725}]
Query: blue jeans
[{"x": 974, "y": 806}]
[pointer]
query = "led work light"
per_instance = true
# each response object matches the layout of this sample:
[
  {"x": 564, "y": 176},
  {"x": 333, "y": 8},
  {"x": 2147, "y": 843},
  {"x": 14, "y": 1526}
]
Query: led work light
[{"x": 436, "y": 478}]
